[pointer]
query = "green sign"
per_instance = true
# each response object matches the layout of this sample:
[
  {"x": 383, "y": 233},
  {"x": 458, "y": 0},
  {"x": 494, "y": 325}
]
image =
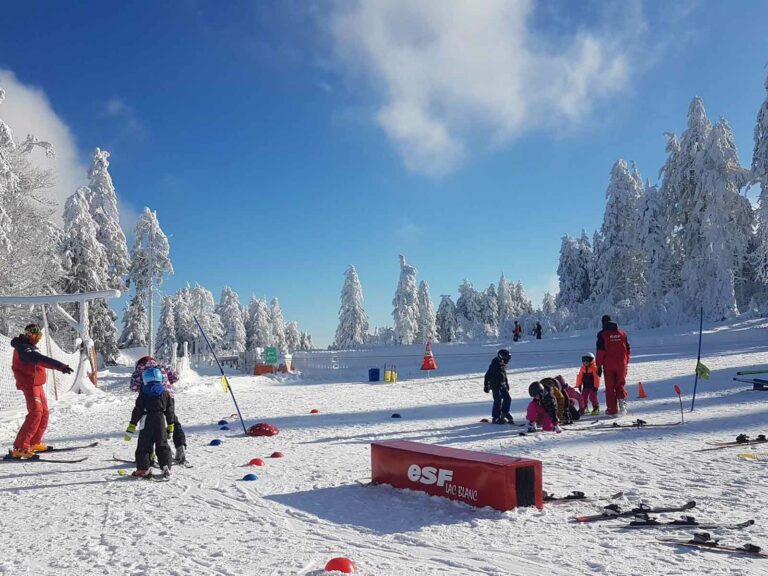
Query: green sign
[{"x": 270, "y": 355}]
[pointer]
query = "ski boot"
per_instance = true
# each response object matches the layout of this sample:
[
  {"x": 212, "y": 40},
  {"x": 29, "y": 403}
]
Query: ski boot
[
  {"x": 22, "y": 453},
  {"x": 41, "y": 448},
  {"x": 595, "y": 412},
  {"x": 166, "y": 472},
  {"x": 507, "y": 417},
  {"x": 623, "y": 407},
  {"x": 498, "y": 421},
  {"x": 141, "y": 473},
  {"x": 531, "y": 427}
]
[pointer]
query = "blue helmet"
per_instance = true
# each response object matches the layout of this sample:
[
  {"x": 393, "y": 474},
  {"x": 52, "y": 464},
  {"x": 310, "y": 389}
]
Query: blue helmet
[{"x": 153, "y": 374}]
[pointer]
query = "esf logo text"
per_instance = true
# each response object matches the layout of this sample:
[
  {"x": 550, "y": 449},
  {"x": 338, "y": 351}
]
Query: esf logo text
[{"x": 429, "y": 475}]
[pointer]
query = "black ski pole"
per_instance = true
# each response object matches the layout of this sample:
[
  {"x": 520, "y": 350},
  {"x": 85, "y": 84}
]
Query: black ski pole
[{"x": 224, "y": 376}]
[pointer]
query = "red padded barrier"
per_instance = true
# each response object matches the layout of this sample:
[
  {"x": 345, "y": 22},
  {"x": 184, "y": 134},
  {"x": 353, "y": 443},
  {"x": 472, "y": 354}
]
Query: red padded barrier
[{"x": 475, "y": 478}]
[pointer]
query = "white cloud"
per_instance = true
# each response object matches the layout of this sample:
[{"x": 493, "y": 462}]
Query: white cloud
[
  {"x": 27, "y": 110},
  {"x": 450, "y": 71}
]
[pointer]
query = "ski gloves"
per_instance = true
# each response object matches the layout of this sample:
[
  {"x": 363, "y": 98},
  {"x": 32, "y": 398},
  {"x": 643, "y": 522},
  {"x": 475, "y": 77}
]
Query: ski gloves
[
  {"x": 170, "y": 428},
  {"x": 129, "y": 432},
  {"x": 67, "y": 370}
]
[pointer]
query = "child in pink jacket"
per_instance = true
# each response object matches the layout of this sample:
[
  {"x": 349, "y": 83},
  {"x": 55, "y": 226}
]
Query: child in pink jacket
[{"x": 542, "y": 410}]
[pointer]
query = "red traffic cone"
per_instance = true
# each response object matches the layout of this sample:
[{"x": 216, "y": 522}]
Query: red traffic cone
[
  {"x": 429, "y": 360},
  {"x": 641, "y": 391}
]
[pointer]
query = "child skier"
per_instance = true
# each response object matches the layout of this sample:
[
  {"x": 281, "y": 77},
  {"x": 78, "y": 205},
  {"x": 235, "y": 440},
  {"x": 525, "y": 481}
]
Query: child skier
[
  {"x": 574, "y": 404},
  {"x": 497, "y": 382},
  {"x": 588, "y": 381},
  {"x": 542, "y": 410},
  {"x": 154, "y": 403},
  {"x": 169, "y": 379}
]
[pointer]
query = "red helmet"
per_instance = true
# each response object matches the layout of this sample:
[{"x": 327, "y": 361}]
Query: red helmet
[{"x": 144, "y": 360}]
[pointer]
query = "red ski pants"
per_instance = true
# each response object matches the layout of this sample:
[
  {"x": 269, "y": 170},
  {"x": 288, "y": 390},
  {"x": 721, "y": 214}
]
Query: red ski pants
[
  {"x": 36, "y": 422},
  {"x": 615, "y": 387}
]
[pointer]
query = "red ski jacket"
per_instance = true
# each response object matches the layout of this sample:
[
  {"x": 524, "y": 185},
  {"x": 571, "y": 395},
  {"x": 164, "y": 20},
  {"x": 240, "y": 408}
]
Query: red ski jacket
[
  {"x": 29, "y": 365},
  {"x": 612, "y": 347}
]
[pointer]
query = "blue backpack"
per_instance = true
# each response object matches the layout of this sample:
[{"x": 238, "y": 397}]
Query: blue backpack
[{"x": 153, "y": 382}]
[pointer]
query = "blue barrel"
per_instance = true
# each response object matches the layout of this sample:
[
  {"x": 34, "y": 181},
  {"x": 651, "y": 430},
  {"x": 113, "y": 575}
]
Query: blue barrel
[{"x": 373, "y": 375}]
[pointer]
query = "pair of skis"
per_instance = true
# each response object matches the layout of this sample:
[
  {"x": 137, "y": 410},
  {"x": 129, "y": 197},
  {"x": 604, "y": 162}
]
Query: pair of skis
[
  {"x": 613, "y": 511},
  {"x": 685, "y": 522},
  {"x": 703, "y": 541},
  {"x": 741, "y": 440},
  {"x": 37, "y": 458},
  {"x": 577, "y": 496}
]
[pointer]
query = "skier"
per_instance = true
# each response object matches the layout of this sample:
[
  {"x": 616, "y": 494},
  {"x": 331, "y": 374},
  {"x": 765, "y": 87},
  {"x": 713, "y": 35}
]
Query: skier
[
  {"x": 497, "y": 382},
  {"x": 155, "y": 404},
  {"x": 537, "y": 330},
  {"x": 542, "y": 410},
  {"x": 574, "y": 404},
  {"x": 516, "y": 332},
  {"x": 28, "y": 367},
  {"x": 169, "y": 379},
  {"x": 588, "y": 381},
  {"x": 613, "y": 355}
]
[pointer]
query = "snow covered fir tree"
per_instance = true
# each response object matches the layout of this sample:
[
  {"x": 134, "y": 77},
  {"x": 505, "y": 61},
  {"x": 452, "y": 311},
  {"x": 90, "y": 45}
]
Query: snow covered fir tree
[{"x": 352, "y": 331}]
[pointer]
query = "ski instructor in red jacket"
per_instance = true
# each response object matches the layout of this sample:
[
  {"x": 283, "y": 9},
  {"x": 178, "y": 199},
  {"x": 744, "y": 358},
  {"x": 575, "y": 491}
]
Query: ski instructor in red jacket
[
  {"x": 613, "y": 354},
  {"x": 29, "y": 370}
]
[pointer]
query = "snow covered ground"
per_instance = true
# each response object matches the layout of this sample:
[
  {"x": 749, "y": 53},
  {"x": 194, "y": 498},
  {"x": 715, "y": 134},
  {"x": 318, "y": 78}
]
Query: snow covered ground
[{"x": 310, "y": 506}]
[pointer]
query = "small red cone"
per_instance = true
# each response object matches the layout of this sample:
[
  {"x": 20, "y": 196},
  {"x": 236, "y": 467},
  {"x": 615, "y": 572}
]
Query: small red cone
[
  {"x": 429, "y": 360},
  {"x": 256, "y": 462},
  {"x": 641, "y": 390},
  {"x": 314, "y": 411},
  {"x": 277, "y": 455},
  {"x": 344, "y": 565}
]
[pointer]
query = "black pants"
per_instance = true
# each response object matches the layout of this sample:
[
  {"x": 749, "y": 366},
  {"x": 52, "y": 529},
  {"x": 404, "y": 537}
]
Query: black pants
[
  {"x": 179, "y": 438},
  {"x": 153, "y": 438},
  {"x": 501, "y": 402}
]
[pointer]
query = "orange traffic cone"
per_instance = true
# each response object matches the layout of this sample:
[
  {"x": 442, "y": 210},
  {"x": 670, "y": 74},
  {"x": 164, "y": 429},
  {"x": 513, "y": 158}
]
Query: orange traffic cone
[
  {"x": 429, "y": 360},
  {"x": 641, "y": 390}
]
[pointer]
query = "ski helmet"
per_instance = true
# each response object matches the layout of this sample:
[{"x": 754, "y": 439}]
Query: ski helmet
[
  {"x": 536, "y": 389},
  {"x": 588, "y": 357},
  {"x": 504, "y": 355}
]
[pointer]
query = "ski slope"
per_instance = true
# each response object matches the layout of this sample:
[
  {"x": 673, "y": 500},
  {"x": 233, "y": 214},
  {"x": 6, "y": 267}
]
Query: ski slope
[{"x": 311, "y": 505}]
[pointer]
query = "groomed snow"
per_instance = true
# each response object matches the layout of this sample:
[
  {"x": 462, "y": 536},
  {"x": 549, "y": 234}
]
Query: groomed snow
[{"x": 310, "y": 506}]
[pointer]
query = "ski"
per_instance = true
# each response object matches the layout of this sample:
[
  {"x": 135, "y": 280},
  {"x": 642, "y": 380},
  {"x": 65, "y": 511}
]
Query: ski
[
  {"x": 686, "y": 522},
  {"x": 613, "y": 511},
  {"x": 634, "y": 424},
  {"x": 579, "y": 496},
  {"x": 754, "y": 456},
  {"x": 745, "y": 441},
  {"x": 154, "y": 464},
  {"x": 69, "y": 448},
  {"x": 149, "y": 477},
  {"x": 36, "y": 458},
  {"x": 703, "y": 542}
]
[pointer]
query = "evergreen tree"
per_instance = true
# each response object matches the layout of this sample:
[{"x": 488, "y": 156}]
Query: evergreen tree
[
  {"x": 406, "y": 303},
  {"x": 573, "y": 272},
  {"x": 135, "y": 325},
  {"x": 186, "y": 329},
  {"x": 306, "y": 341},
  {"x": 292, "y": 337},
  {"x": 30, "y": 247},
  {"x": 278, "y": 324},
  {"x": 260, "y": 324},
  {"x": 505, "y": 306},
  {"x": 548, "y": 305},
  {"x": 203, "y": 308},
  {"x": 489, "y": 313},
  {"x": 352, "y": 331},
  {"x": 166, "y": 331},
  {"x": 447, "y": 326},
  {"x": 426, "y": 331},
  {"x": 655, "y": 250},
  {"x": 102, "y": 203},
  {"x": 231, "y": 315},
  {"x": 760, "y": 176},
  {"x": 469, "y": 313},
  {"x": 522, "y": 303},
  {"x": 621, "y": 264},
  {"x": 86, "y": 265}
]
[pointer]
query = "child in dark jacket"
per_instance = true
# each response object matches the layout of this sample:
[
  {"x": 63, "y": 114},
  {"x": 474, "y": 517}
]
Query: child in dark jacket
[
  {"x": 496, "y": 381},
  {"x": 169, "y": 379},
  {"x": 542, "y": 410},
  {"x": 154, "y": 403}
]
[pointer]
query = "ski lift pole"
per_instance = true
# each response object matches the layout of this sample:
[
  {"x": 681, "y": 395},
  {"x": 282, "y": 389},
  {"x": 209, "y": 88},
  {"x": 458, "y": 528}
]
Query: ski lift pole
[
  {"x": 698, "y": 358},
  {"x": 222, "y": 373}
]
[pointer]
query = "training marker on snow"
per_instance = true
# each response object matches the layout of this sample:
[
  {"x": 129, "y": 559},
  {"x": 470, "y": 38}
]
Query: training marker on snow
[
  {"x": 224, "y": 380},
  {"x": 680, "y": 397}
]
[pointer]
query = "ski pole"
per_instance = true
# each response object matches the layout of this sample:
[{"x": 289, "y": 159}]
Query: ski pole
[
  {"x": 747, "y": 372},
  {"x": 679, "y": 397},
  {"x": 222, "y": 373},
  {"x": 698, "y": 358}
]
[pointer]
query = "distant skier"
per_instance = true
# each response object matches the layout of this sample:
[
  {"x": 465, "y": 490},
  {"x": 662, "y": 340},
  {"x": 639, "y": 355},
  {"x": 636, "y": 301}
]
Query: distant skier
[
  {"x": 496, "y": 381},
  {"x": 537, "y": 330},
  {"x": 542, "y": 410},
  {"x": 28, "y": 367},
  {"x": 517, "y": 331},
  {"x": 588, "y": 381},
  {"x": 613, "y": 355},
  {"x": 169, "y": 379},
  {"x": 155, "y": 404}
]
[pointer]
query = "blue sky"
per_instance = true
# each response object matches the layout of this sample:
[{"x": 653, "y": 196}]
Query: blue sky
[{"x": 280, "y": 142}]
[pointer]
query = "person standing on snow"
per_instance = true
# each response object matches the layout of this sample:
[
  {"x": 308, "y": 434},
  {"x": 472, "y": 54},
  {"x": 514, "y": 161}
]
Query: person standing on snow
[
  {"x": 613, "y": 355},
  {"x": 496, "y": 381},
  {"x": 169, "y": 379},
  {"x": 517, "y": 332},
  {"x": 29, "y": 370},
  {"x": 537, "y": 330}
]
